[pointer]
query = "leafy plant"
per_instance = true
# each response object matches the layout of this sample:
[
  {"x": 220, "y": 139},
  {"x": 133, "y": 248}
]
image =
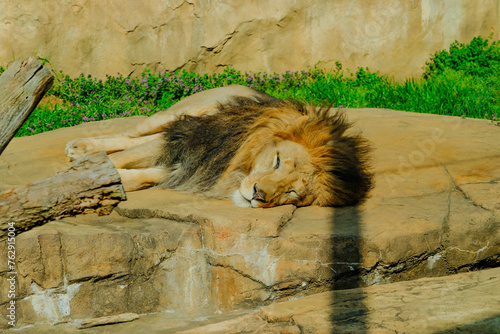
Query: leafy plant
[{"x": 479, "y": 57}]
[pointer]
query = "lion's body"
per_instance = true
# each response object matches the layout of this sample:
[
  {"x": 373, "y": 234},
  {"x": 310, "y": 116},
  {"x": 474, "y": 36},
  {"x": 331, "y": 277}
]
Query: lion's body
[
  {"x": 234, "y": 142},
  {"x": 198, "y": 149}
]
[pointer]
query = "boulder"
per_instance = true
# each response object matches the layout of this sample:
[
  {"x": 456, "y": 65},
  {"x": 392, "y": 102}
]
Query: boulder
[
  {"x": 433, "y": 211},
  {"x": 452, "y": 304},
  {"x": 460, "y": 303}
]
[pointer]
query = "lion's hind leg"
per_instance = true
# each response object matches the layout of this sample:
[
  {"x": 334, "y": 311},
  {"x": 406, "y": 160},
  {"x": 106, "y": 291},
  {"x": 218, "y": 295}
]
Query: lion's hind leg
[
  {"x": 109, "y": 144},
  {"x": 144, "y": 155}
]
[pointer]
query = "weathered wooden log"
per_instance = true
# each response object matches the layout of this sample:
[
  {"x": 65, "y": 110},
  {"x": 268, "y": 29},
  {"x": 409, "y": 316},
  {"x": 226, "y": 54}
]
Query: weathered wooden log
[
  {"x": 91, "y": 184},
  {"x": 22, "y": 86}
]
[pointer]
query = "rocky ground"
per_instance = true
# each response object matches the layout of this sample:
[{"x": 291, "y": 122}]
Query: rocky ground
[
  {"x": 461, "y": 303},
  {"x": 183, "y": 261}
]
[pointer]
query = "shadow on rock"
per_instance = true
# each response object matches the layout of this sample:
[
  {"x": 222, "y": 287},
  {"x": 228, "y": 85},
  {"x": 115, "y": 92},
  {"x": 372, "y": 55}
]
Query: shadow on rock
[{"x": 349, "y": 313}]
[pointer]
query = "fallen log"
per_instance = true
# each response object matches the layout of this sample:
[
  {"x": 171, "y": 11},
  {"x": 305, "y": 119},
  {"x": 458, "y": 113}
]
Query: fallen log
[
  {"x": 91, "y": 184},
  {"x": 22, "y": 86}
]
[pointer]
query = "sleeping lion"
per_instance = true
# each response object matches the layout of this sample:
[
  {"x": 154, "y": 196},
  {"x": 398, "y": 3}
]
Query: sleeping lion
[{"x": 235, "y": 142}]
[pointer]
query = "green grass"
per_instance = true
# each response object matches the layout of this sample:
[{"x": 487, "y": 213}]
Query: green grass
[{"x": 462, "y": 81}]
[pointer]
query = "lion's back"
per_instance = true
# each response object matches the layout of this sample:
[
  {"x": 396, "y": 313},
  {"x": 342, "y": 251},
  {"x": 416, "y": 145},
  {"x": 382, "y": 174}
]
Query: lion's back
[{"x": 198, "y": 149}]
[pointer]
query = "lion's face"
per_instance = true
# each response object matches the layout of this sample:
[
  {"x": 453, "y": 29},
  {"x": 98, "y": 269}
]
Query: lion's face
[{"x": 281, "y": 174}]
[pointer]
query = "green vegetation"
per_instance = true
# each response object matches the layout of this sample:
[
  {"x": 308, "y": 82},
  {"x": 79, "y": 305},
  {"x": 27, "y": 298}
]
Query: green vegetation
[{"x": 462, "y": 81}]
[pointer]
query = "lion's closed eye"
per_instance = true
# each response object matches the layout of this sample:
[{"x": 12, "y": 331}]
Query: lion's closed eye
[{"x": 276, "y": 162}]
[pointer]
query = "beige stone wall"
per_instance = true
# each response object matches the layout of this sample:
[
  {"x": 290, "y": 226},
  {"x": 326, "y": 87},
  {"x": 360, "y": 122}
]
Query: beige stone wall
[{"x": 128, "y": 36}]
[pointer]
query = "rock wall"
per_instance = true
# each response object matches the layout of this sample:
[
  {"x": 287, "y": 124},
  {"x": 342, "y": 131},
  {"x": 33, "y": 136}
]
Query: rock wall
[{"x": 99, "y": 37}]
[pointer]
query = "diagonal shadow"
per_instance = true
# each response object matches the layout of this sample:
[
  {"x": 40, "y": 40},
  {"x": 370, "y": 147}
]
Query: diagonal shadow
[{"x": 349, "y": 313}]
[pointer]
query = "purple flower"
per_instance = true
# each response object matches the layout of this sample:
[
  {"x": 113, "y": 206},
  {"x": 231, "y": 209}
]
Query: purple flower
[{"x": 494, "y": 117}]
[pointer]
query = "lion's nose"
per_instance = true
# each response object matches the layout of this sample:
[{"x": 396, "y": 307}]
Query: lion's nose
[{"x": 258, "y": 194}]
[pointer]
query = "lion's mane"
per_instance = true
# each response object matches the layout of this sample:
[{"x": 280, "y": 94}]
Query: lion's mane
[{"x": 203, "y": 151}]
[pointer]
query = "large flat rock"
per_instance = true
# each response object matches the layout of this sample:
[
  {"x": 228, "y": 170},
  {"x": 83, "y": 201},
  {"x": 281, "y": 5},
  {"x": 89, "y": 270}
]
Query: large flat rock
[{"x": 434, "y": 211}]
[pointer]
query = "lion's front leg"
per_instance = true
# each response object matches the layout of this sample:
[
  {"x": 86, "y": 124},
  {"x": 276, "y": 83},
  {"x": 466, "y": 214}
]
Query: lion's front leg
[
  {"x": 137, "y": 179},
  {"x": 137, "y": 165}
]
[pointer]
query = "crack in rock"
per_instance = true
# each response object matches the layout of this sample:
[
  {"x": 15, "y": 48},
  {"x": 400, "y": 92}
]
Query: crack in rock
[
  {"x": 461, "y": 191},
  {"x": 285, "y": 221},
  {"x": 469, "y": 251},
  {"x": 185, "y": 2},
  {"x": 241, "y": 273},
  {"x": 382, "y": 273},
  {"x": 217, "y": 48}
]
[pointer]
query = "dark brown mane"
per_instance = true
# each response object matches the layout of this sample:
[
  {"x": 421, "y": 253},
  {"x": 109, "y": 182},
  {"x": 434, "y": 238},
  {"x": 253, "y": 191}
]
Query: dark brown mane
[{"x": 201, "y": 149}]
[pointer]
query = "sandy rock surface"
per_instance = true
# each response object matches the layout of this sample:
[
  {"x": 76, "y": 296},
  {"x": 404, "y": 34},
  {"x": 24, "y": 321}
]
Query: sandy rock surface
[{"x": 434, "y": 211}]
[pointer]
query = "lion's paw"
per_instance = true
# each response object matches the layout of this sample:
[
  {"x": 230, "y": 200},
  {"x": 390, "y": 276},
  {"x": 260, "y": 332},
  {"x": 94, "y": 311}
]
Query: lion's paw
[{"x": 78, "y": 148}]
